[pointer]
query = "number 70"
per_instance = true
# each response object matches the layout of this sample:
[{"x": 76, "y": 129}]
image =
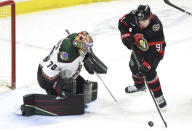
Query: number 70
[{"x": 52, "y": 65}]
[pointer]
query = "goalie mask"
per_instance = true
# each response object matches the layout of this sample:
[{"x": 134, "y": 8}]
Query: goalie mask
[{"x": 83, "y": 41}]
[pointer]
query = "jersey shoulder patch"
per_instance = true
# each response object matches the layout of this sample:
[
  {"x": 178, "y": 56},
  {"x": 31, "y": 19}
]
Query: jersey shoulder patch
[
  {"x": 64, "y": 55},
  {"x": 156, "y": 24},
  {"x": 133, "y": 12},
  {"x": 156, "y": 27}
]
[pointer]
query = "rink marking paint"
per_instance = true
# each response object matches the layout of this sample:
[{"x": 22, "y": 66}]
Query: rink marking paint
[
  {"x": 32, "y": 46},
  {"x": 41, "y": 48},
  {"x": 180, "y": 41},
  {"x": 18, "y": 87},
  {"x": 99, "y": 30},
  {"x": 27, "y": 45},
  {"x": 178, "y": 21}
]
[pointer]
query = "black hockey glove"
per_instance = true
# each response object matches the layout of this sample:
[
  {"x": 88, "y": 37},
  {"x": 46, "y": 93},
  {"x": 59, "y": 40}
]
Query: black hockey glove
[
  {"x": 144, "y": 67},
  {"x": 128, "y": 42},
  {"x": 88, "y": 64},
  {"x": 65, "y": 87},
  {"x": 126, "y": 36}
]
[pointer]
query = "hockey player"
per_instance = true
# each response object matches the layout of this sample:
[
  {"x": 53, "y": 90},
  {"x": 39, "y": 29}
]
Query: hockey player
[
  {"x": 142, "y": 32},
  {"x": 59, "y": 72},
  {"x": 67, "y": 91}
]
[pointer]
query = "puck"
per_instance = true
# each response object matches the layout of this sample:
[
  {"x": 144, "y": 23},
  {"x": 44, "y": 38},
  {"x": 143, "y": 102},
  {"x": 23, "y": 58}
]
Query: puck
[{"x": 150, "y": 123}]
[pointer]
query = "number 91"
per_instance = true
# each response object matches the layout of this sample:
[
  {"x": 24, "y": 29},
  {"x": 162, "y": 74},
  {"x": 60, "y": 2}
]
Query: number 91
[{"x": 158, "y": 47}]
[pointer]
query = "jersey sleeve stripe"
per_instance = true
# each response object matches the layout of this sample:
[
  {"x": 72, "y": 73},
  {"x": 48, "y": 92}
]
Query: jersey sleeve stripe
[
  {"x": 137, "y": 76},
  {"x": 156, "y": 89},
  {"x": 123, "y": 36},
  {"x": 126, "y": 24},
  {"x": 162, "y": 52},
  {"x": 154, "y": 80},
  {"x": 155, "y": 43}
]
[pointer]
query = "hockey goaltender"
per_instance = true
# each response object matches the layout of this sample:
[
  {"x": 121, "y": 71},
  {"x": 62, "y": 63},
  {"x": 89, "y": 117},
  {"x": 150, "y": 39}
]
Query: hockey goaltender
[{"x": 59, "y": 75}]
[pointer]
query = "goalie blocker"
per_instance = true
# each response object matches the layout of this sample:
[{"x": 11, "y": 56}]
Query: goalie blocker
[
  {"x": 93, "y": 64},
  {"x": 50, "y": 105}
]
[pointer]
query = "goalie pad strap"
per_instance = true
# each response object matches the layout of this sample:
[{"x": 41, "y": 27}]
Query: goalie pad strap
[{"x": 90, "y": 91}]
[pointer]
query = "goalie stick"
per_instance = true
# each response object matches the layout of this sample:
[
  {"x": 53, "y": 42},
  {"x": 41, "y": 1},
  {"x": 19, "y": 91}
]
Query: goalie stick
[
  {"x": 174, "y": 6},
  {"x": 100, "y": 78},
  {"x": 106, "y": 86}
]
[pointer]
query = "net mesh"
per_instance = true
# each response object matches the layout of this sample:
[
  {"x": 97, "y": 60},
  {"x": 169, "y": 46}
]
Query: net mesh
[
  {"x": 5, "y": 11},
  {"x": 5, "y": 46}
]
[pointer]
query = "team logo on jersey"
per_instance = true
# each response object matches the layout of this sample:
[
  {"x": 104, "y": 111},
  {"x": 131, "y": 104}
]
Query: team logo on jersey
[
  {"x": 133, "y": 11},
  {"x": 156, "y": 27},
  {"x": 143, "y": 44},
  {"x": 64, "y": 55}
]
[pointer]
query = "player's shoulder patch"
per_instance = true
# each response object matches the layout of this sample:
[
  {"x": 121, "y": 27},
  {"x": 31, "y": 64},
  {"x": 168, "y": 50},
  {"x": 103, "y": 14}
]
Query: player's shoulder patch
[
  {"x": 133, "y": 12},
  {"x": 156, "y": 27},
  {"x": 64, "y": 55}
]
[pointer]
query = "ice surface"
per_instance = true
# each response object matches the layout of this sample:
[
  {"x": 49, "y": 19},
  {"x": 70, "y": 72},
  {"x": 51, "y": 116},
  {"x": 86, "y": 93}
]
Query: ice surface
[{"x": 38, "y": 32}]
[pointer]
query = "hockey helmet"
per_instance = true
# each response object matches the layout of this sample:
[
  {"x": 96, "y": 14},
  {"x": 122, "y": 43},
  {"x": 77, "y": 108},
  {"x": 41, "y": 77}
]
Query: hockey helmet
[
  {"x": 143, "y": 12},
  {"x": 83, "y": 41}
]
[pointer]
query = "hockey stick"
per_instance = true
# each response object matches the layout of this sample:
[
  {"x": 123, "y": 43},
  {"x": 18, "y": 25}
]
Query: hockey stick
[
  {"x": 174, "y": 6},
  {"x": 67, "y": 32},
  {"x": 135, "y": 56},
  {"x": 106, "y": 86}
]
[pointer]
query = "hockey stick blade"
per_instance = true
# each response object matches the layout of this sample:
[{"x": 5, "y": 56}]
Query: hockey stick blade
[
  {"x": 165, "y": 123},
  {"x": 174, "y": 6}
]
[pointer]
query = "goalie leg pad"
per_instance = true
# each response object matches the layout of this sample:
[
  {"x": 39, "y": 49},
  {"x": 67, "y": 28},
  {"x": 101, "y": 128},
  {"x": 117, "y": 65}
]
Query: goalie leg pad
[
  {"x": 90, "y": 91},
  {"x": 39, "y": 104}
]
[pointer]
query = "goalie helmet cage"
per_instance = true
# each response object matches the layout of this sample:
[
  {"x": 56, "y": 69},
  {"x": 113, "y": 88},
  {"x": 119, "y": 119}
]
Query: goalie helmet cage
[{"x": 4, "y": 11}]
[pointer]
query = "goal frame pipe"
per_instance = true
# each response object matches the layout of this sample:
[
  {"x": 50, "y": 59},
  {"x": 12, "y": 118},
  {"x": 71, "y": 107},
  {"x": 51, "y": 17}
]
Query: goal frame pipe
[{"x": 13, "y": 41}]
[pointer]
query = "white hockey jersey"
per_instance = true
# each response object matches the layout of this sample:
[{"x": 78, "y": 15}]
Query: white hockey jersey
[{"x": 64, "y": 60}]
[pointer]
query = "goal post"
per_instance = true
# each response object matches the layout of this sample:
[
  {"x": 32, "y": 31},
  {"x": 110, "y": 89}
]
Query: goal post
[{"x": 7, "y": 11}]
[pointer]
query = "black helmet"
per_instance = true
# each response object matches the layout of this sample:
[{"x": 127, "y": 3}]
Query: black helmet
[{"x": 143, "y": 12}]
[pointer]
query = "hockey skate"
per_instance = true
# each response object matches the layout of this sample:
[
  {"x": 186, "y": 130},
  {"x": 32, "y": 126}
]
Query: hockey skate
[
  {"x": 161, "y": 101},
  {"x": 133, "y": 88}
]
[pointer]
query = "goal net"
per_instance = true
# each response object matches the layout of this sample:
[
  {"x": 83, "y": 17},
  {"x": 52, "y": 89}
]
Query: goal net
[{"x": 7, "y": 44}]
